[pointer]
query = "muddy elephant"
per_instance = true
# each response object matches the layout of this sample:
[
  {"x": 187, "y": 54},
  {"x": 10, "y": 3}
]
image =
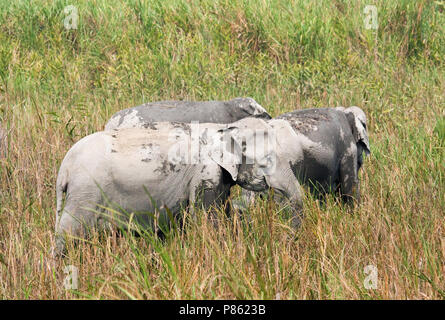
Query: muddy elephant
[
  {"x": 187, "y": 112},
  {"x": 333, "y": 141},
  {"x": 138, "y": 171}
]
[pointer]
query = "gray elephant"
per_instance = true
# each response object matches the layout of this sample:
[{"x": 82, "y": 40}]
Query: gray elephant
[
  {"x": 333, "y": 149},
  {"x": 187, "y": 111},
  {"x": 174, "y": 165},
  {"x": 333, "y": 142}
]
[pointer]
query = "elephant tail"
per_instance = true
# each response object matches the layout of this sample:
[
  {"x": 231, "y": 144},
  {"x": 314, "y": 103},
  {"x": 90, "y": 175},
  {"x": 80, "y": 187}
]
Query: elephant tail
[{"x": 61, "y": 188}]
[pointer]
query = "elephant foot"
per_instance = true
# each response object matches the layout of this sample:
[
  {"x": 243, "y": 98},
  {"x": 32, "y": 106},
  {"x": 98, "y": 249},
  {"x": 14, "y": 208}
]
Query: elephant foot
[
  {"x": 59, "y": 250},
  {"x": 239, "y": 205},
  {"x": 296, "y": 220}
]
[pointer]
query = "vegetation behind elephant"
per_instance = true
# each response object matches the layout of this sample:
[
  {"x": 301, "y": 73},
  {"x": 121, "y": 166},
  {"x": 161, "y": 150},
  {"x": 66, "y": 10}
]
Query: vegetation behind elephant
[
  {"x": 187, "y": 112},
  {"x": 3, "y": 142},
  {"x": 125, "y": 169}
]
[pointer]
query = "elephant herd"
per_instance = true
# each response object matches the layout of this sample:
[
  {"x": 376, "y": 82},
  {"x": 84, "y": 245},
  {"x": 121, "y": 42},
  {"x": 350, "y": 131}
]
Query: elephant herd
[{"x": 169, "y": 156}]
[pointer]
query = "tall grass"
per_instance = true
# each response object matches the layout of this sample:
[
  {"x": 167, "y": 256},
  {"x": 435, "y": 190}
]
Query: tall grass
[{"x": 58, "y": 85}]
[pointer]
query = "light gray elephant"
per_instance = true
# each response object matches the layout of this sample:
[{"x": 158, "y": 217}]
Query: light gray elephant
[
  {"x": 187, "y": 111},
  {"x": 333, "y": 142},
  {"x": 126, "y": 169}
]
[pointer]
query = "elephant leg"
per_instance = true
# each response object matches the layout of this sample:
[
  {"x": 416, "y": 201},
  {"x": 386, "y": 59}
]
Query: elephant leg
[
  {"x": 242, "y": 203},
  {"x": 213, "y": 199},
  {"x": 75, "y": 221},
  {"x": 295, "y": 202},
  {"x": 349, "y": 182},
  {"x": 68, "y": 225},
  {"x": 287, "y": 185},
  {"x": 212, "y": 189},
  {"x": 207, "y": 197}
]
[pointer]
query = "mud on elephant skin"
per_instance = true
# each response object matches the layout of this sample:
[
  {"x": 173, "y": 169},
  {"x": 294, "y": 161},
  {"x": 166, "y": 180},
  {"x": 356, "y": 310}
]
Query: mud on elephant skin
[
  {"x": 117, "y": 168},
  {"x": 187, "y": 112},
  {"x": 333, "y": 141}
]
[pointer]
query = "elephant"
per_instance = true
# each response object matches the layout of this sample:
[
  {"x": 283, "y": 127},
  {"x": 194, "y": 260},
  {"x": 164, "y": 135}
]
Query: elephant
[
  {"x": 187, "y": 112},
  {"x": 333, "y": 142},
  {"x": 138, "y": 171}
]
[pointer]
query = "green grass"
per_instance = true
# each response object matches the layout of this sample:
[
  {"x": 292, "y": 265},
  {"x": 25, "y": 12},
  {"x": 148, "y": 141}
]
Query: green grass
[{"x": 58, "y": 85}]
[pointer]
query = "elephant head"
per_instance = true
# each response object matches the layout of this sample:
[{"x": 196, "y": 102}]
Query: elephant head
[
  {"x": 250, "y": 151},
  {"x": 357, "y": 120},
  {"x": 250, "y": 108}
]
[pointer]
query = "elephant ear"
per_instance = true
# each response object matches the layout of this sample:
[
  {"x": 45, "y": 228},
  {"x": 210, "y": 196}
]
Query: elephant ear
[
  {"x": 253, "y": 108},
  {"x": 357, "y": 120},
  {"x": 243, "y": 142},
  {"x": 225, "y": 152}
]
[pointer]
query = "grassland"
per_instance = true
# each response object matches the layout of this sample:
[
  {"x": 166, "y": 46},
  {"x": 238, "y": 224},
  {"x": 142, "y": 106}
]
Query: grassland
[{"x": 58, "y": 85}]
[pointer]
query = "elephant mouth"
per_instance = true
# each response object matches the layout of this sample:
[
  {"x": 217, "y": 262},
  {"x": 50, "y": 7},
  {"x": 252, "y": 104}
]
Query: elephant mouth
[{"x": 252, "y": 183}]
